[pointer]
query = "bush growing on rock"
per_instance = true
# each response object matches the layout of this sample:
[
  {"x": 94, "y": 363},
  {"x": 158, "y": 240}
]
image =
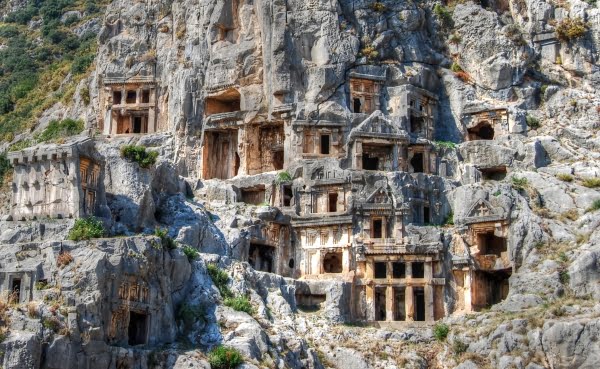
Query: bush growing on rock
[
  {"x": 220, "y": 279},
  {"x": 378, "y": 6},
  {"x": 565, "y": 177},
  {"x": 283, "y": 177},
  {"x": 222, "y": 357},
  {"x": 440, "y": 331},
  {"x": 571, "y": 29},
  {"x": 591, "y": 182},
  {"x": 61, "y": 129},
  {"x": 239, "y": 303},
  {"x": 519, "y": 183},
  {"x": 594, "y": 207},
  {"x": 139, "y": 155},
  {"x": 532, "y": 122},
  {"x": 190, "y": 252},
  {"x": 166, "y": 241},
  {"x": 444, "y": 15},
  {"x": 459, "y": 347},
  {"x": 86, "y": 228},
  {"x": 4, "y": 167}
]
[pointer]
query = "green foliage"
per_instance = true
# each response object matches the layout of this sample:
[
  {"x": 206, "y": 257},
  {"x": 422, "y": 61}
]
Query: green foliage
[
  {"x": 60, "y": 129},
  {"x": 4, "y": 167},
  {"x": 370, "y": 52},
  {"x": 564, "y": 276},
  {"x": 34, "y": 64},
  {"x": 455, "y": 67},
  {"x": 449, "y": 219},
  {"x": 239, "y": 303},
  {"x": 445, "y": 144},
  {"x": 51, "y": 323},
  {"x": 167, "y": 242},
  {"x": 86, "y": 228},
  {"x": 565, "y": 177},
  {"x": 189, "y": 314},
  {"x": 41, "y": 285},
  {"x": 594, "y": 207},
  {"x": 519, "y": 183},
  {"x": 571, "y": 29},
  {"x": 139, "y": 154},
  {"x": 220, "y": 278},
  {"x": 378, "y": 6},
  {"x": 455, "y": 38},
  {"x": 444, "y": 16},
  {"x": 190, "y": 252},
  {"x": 283, "y": 177},
  {"x": 222, "y": 357},
  {"x": 593, "y": 182},
  {"x": 440, "y": 331},
  {"x": 459, "y": 347},
  {"x": 532, "y": 122}
]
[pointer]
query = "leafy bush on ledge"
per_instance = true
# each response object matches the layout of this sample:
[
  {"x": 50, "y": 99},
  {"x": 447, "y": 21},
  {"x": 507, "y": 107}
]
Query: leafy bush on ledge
[
  {"x": 139, "y": 155},
  {"x": 61, "y": 129},
  {"x": 571, "y": 29},
  {"x": 86, "y": 228},
  {"x": 220, "y": 279},
  {"x": 222, "y": 357},
  {"x": 239, "y": 303}
]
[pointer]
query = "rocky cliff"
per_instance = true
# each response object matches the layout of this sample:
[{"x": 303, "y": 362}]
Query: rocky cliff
[{"x": 299, "y": 184}]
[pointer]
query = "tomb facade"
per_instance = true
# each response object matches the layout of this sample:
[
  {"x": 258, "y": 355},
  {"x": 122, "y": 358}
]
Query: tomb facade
[{"x": 57, "y": 181}]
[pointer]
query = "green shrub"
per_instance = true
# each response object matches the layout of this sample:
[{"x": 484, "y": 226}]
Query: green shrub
[
  {"x": 51, "y": 323},
  {"x": 86, "y": 228},
  {"x": 449, "y": 219},
  {"x": 445, "y": 144},
  {"x": 283, "y": 177},
  {"x": 378, "y": 6},
  {"x": 220, "y": 278},
  {"x": 440, "y": 331},
  {"x": 444, "y": 16},
  {"x": 370, "y": 52},
  {"x": 189, "y": 314},
  {"x": 594, "y": 207},
  {"x": 167, "y": 242},
  {"x": 41, "y": 285},
  {"x": 459, "y": 347},
  {"x": 591, "y": 182},
  {"x": 60, "y": 129},
  {"x": 190, "y": 252},
  {"x": 564, "y": 276},
  {"x": 532, "y": 122},
  {"x": 139, "y": 155},
  {"x": 571, "y": 29},
  {"x": 455, "y": 67},
  {"x": 222, "y": 357},
  {"x": 239, "y": 303},
  {"x": 565, "y": 177},
  {"x": 82, "y": 63},
  {"x": 4, "y": 167},
  {"x": 519, "y": 183}
]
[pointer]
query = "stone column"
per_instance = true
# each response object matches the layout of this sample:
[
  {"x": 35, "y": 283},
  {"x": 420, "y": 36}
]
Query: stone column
[
  {"x": 429, "y": 317},
  {"x": 389, "y": 303},
  {"x": 408, "y": 301},
  {"x": 370, "y": 301},
  {"x": 357, "y": 155},
  {"x": 395, "y": 158},
  {"x": 467, "y": 291}
]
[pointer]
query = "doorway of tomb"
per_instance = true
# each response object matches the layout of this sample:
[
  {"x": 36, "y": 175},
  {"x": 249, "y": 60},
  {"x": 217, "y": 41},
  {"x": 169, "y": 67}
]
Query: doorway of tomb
[
  {"x": 380, "y": 301},
  {"x": 137, "y": 330},
  {"x": 419, "y": 304}
]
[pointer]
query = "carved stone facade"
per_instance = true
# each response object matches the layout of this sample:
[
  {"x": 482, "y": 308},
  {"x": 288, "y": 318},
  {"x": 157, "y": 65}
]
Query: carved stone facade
[
  {"x": 485, "y": 124},
  {"x": 56, "y": 181},
  {"x": 129, "y": 105}
]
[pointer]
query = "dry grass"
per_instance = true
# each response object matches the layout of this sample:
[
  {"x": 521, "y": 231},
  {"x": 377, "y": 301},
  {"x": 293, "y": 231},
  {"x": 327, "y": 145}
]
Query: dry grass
[
  {"x": 64, "y": 258},
  {"x": 32, "y": 309},
  {"x": 571, "y": 214}
]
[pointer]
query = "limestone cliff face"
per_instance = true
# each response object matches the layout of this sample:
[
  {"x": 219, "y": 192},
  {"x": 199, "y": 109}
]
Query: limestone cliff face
[{"x": 361, "y": 171}]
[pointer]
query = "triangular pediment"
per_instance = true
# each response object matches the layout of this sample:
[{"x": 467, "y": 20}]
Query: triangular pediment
[
  {"x": 482, "y": 208},
  {"x": 379, "y": 196}
]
